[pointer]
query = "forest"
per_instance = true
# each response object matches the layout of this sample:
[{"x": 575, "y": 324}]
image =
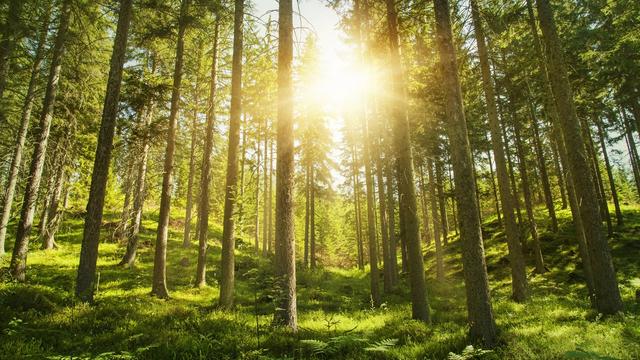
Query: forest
[{"x": 320, "y": 179}]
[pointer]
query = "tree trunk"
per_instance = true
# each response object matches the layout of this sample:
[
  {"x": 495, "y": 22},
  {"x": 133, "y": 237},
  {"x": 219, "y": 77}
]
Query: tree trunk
[
  {"x": 362, "y": 18},
  {"x": 287, "y": 313},
  {"x": 307, "y": 215},
  {"x": 444, "y": 222},
  {"x": 267, "y": 200},
  {"x": 382, "y": 208},
  {"x": 122, "y": 228},
  {"x": 54, "y": 213},
  {"x": 436, "y": 230},
  {"x": 404, "y": 170},
  {"x": 356, "y": 201},
  {"x": 159, "y": 284},
  {"x": 607, "y": 163},
  {"x": 205, "y": 176},
  {"x": 423, "y": 203},
  {"x": 493, "y": 187},
  {"x": 542, "y": 165},
  {"x": 528, "y": 201},
  {"x": 607, "y": 297},
  {"x": 393, "y": 255},
  {"x": 312, "y": 220},
  {"x": 186, "y": 240},
  {"x": 25, "y": 118},
  {"x": 93, "y": 219},
  {"x": 243, "y": 160},
  {"x": 271, "y": 232},
  {"x": 227, "y": 279},
  {"x": 518, "y": 270},
  {"x": 256, "y": 219},
  {"x": 129, "y": 257},
  {"x": 19, "y": 256},
  {"x": 479, "y": 310}
]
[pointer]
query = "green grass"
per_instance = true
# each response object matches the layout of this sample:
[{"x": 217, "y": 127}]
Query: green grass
[{"x": 42, "y": 319}]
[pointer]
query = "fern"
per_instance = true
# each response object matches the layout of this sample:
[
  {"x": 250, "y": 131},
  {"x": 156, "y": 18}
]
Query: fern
[
  {"x": 382, "y": 346},
  {"x": 316, "y": 347},
  {"x": 469, "y": 353}
]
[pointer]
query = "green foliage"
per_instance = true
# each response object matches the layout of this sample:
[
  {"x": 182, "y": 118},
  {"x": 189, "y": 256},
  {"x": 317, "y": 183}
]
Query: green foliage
[{"x": 470, "y": 353}]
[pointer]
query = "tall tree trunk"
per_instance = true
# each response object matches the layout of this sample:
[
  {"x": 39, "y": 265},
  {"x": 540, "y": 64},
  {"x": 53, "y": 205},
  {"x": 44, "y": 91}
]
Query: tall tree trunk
[
  {"x": 493, "y": 187},
  {"x": 382, "y": 208},
  {"x": 528, "y": 201},
  {"x": 271, "y": 232},
  {"x": 607, "y": 297},
  {"x": 243, "y": 160},
  {"x": 122, "y": 229},
  {"x": 129, "y": 257},
  {"x": 362, "y": 14},
  {"x": 436, "y": 230},
  {"x": 307, "y": 215},
  {"x": 404, "y": 169},
  {"x": 631, "y": 148},
  {"x": 479, "y": 311},
  {"x": 25, "y": 118},
  {"x": 562, "y": 181},
  {"x": 227, "y": 279},
  {"x": 159, "y": 282},
  {"x": 267, "y": 180},
  {"x": 356, "y": 201},
  {"x": 597, "y": 176},
  {"x": 19, "y": 256},
  {"x": 186, "y": 239},
  {"x": 444, "y": 221},
  {"x": 205, "y": 176},
  {"x": 256, "y": 219},
  {"x": 393, "y": 254},
  {"x": 54, "y": 213},
  {"x": 47, "y": 192},
  {"x": 518, "y": 270},
  {"x": 424, "y": 207},
  {"x": 287, "y": 313},
  {"x": 312, "y": 220},
  {"x": 542, "y": 165},
  {"x": 93, "y": 220},
  {"x": 607, "y": 163}
]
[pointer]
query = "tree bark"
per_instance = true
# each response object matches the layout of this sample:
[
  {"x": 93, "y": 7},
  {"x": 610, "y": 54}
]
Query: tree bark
[
  {"x": 607, "y": 295},
  {"x": 25, "y": 118},
  {"x": 267, "y": 200},
  {"x": 436, "y": 230},
  {"x": 393, "y": 254},
  {"x": 444, "y": 221},
  {"x": 382, "y": 208},
  {"x": 186, "y": 240},
  {"x": 91, "y": 237},
  {"x": 542, "y": 165},
  {"x": 286, "y": 313},
  {"x": 607, "y": 163},
  {"x": 479, "y": 310},
  {"x": 54, "y": 213},
  {"x": 227, "y": 280},
  {"x": 307, "y": 215},
  {"x": 356, "y": 201},
  {"x": 404, "y": 170},
  {"x": 518, "y": 270},
  {"x": 312, "y": 220},
  {"x": 159, "y": 284},
  {"x": 205, "y": 177},
  {"x": 19, "y": 256}
]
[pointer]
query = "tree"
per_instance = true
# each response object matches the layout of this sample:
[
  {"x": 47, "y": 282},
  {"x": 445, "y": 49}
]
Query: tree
[
  {"x": 95, "y": 205},
  {"x": 205, "y": 178},
  {"x": 19, "y": 256},
  {"x": 228, "y": 240},
  {"x": 25, "y": 119},
  {"x": 479, "y": 310},
  {"x": 518, "y": 270},
  {"x": 285, "y": 264},
  {"x": 404, "y": 173},
  {"x": 159, "y": 285},
  {"x": 607, "y": 294}
]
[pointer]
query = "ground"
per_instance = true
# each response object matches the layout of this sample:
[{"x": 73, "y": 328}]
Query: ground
[{"x": 42, "y": 319}]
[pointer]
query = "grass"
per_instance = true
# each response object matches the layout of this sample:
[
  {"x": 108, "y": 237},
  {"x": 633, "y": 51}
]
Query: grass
[{"x": 42, "y": 319}]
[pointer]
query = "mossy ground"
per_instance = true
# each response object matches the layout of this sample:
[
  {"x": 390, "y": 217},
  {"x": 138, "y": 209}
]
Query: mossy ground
[{"x": 42, "y": 319}]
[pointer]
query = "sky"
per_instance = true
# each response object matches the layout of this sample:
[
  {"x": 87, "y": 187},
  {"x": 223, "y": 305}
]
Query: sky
[{"x": 334, "y": 63}]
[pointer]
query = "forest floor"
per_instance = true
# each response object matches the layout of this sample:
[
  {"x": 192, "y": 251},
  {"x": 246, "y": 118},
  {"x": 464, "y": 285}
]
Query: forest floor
[{"x": 42, "y": 319}]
